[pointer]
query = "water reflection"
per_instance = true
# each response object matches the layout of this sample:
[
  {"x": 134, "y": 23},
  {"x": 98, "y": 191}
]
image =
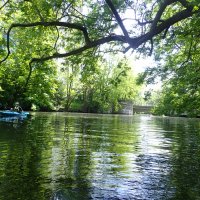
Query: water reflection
[
  {"x": 85, "y": 156},
  {"x": 185, "y": 159}
]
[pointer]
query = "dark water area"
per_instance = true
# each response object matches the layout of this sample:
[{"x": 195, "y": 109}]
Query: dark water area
[{"x": 61, "y": 156}]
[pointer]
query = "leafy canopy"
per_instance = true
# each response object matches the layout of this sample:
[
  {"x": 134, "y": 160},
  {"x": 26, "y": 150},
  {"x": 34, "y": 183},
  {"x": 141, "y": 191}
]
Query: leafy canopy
[{"x": 91, "y": 24}]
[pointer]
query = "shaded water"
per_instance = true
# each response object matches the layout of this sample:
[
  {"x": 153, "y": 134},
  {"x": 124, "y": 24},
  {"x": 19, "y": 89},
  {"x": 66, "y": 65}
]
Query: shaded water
[{"x": 84, "y": 156}]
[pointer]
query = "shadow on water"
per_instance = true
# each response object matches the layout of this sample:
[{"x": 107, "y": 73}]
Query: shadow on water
[
  {"x": 185, "y": 159},
  {"x": 58, "y": 156}
]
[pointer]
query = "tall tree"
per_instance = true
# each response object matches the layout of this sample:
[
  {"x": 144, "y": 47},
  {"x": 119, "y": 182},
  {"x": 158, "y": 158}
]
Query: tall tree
[
  {"x": 178, "y": 66},
  {"x": 108, "y": 84}
]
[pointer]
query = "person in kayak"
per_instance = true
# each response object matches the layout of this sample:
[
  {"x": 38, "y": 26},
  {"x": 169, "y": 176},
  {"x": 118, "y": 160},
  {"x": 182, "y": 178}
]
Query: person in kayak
[{"x": 17, "y": 107}]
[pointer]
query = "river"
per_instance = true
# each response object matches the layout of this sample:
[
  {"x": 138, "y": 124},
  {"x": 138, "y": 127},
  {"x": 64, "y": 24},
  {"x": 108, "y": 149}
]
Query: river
[{"x": 61, "y": 156}]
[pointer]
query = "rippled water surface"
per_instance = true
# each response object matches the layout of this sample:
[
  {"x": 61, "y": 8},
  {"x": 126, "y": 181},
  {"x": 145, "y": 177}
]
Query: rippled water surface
[{"x": 61, "y": 156}]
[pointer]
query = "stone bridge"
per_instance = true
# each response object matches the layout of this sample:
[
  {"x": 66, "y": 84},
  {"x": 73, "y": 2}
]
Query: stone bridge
[
  {"x": 128, "y": 108},
  {"x": 142, "y": 109}
]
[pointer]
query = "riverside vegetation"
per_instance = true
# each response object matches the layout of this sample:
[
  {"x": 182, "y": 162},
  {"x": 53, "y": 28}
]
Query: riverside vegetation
[{"x": 54, "y": 54}]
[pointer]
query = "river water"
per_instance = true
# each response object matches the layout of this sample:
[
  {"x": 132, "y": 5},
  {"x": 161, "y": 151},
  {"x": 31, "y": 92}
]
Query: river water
[{"x": 61, "y": 156}]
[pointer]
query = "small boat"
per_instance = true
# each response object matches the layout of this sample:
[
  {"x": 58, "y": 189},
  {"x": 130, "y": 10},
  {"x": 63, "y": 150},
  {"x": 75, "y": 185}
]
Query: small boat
[{"x": 10, "y": 113}]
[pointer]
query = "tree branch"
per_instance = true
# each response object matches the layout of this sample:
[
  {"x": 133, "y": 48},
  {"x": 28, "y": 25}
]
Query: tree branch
[
  {"x": 90, "y": 45},
  {"x": 151, "y": 50},
  {"x": 160, "y": 12},
  {"x": 165, "y": 33},
  {"x": 4, "y": 4},
  {"x": 185, "y": 4},
  {"x": 189, "y": 54},
  {"x": 45, "y": 24},
  {"x": 118, "y": 18},
  {"x": 132, "y": 42},
  {"x": 136, "y": 42},
  {"x": 58, "y": 35},
  {"x": 29, "y": 76}
]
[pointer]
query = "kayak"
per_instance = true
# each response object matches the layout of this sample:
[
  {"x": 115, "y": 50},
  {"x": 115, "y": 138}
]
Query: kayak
[{"x": 10, "y": 113}]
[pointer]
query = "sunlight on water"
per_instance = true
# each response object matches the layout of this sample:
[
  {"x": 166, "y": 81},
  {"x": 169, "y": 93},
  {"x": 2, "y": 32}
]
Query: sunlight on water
[{"x": 87, "y": 156}]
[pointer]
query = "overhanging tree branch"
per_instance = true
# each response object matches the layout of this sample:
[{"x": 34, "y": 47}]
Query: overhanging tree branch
[
  {"x": 136, "y": 42},
  {"x": 118, "y": 18},
  {"x": 90, "y": 45},
  {"x": 185, "y": 4},
  {"x": 4, "y": 4},
  {"x": 29, "y": 76},
  {"x": 133, "y": 42},
  {"x": 162, "y": 8},
  {"x": 58, "y": 35},
  {"x": 45, "y": 24}
]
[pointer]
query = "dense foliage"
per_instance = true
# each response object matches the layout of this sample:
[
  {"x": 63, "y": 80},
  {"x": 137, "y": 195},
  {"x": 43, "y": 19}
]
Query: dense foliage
[
  {"x": 179, "y": 68},
  {"x": 96, "y": 85},
  {"x": 83, "y": 33}
]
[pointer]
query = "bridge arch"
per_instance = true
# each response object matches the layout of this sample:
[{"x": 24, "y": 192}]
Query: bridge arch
[
  {"x": 128, "y": 108},
  {"x": 142, "y": 109}
]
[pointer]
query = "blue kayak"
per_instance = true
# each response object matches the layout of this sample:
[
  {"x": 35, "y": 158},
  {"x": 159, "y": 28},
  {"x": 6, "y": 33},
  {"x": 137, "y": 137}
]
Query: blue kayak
[{"x": 10, "y": 113}]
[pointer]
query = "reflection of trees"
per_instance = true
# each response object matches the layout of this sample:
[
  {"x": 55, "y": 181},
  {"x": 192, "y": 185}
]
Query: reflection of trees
[
  {"x": 87, "y": 149},
  {"x": 186, "y": 171},
  {"x": 54, "y": 151},
  {"x": 121, "y": 142},
  {"x": 185, "y": 161},
  {"x": 21, "y": 176},
  {"x": 20, "y": 173}
]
